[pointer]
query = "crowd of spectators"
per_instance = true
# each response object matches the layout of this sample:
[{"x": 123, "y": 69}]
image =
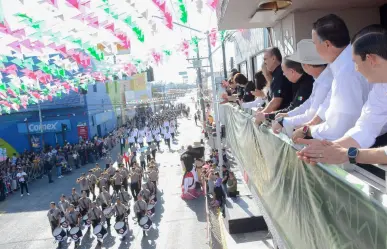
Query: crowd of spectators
[
  {"x": 329, "y": 95},
  {"x": 60, "y": 159}
]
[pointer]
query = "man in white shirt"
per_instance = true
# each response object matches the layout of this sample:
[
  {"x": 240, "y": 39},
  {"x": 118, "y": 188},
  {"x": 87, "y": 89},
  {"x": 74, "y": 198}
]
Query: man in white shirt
[
  {"x": 315, "y": 66},
  {"x": 370, "y": 56},
  {"x": 349, "y": 88},
  {"x": 22, "y": 179}
]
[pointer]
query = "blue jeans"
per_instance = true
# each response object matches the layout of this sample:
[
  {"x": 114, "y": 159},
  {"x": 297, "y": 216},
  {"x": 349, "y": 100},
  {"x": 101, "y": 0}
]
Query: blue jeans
[{"x": 59, "y": 171}]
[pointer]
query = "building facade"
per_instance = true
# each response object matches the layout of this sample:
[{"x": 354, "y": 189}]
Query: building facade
[{"x": 68, "y": 118}]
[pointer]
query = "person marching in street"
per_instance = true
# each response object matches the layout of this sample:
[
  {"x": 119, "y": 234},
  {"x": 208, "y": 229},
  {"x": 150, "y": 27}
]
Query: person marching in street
[
  {"x": 140, "y": 138},
  {"x": 84, "y": 184},
  {"x": 84, "y": 204},
  {"x": 103, "y": 182},
  {"x": 96, "y": 217},
  {"x": 133, "y": 150},
  {"x": 92, "y": 178},
  {"x": 117, "y": 180},
  {"x": 125, "y": 175},
  {"x": 153, "y": 176},
  {"x": 74, "y": 198},
  {"x": 142, "y": 160},
  {"x": 97, "y": 171},
  {"x": 153, "y": 149},
  {"x": 104, "y": 200},
  {"x": 167, "y": 137},
  {"x": 74, "y": 220},
  {"x": 54, "y": 216},
  {"x": 63, "y": 205},
  {"x": 125, "y": 197},
  {"x": 120, "y": 210},
  {"x": 149, "y": 137},
  {"x": 134, "y": 183},
  {"x": 148, "y": 154},
  {"x": 158, "y": 139},
  {"x": 22, "y": 179},
  {"x": 145, "y": 193},
  {"x": 140, "y": 209}
]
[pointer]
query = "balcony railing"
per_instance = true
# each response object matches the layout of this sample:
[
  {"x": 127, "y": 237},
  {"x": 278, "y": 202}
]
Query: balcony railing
[{"x": 320, "y": 206}]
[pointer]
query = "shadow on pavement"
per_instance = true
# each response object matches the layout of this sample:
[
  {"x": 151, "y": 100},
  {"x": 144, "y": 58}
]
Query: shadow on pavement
[
  {"x": 149, "y": 241},
  {"x": 198, "y": 207}
]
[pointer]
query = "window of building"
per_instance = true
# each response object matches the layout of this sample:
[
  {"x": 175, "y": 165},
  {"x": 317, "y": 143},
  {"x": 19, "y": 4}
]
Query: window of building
[
  {"x": 95, "y": 87},
  {"x": 257, "y": 61},
  {"x": 243, "y": 68}
]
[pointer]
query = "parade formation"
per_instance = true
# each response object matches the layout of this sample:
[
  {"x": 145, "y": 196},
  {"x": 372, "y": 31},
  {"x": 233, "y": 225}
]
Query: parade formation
[{"x": 104, "y": 192}]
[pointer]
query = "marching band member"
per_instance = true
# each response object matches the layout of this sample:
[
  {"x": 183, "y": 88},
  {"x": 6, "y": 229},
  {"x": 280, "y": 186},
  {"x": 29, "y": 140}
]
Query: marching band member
[
  {"x": 125, "y": 197},
  {"x": 84, "y": 204},
  {"x": 97, "y": 171},
  {"x": 111, "y": 171},
  {"x": 131, "y": 140},
  {"x": 135, "y": 177},
  {"x": 74, "y": 219},
  {"x": 117, "y": 180},
  {"x": 92, "y": 181},
  {"x": 149, "y": 137},
  {"x": 125, "y": 175},
  {"x": 119, "y": 210},
  {"x": 53, "y": 216},
  {"x": 103, "y": 182},
  {"x": 96, "y": 217},
  {"x": 148, "y": 155},
  {"x": 172, "y": 130},
  {"x": 63, "y": 205},
  {"x": 140, "y": 209},
  {"x": 140, "y": 138},
  {"x": 158, "y": 139},
  {"x": 104, "y": 200},
  {"x": 145, "y": 193},
  {"x": 84, "y": 184},
  {"x": 74, "y": 198},
  {"x": 151, "y": 187}
]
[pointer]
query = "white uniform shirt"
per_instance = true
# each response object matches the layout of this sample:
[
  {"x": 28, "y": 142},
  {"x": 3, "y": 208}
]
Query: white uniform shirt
[
  {"x": 131, "y": 138},
  {"x": 349, "y": 93},
  {"x": 305, "y": 112},
  {"x": 373, "y": 120},
  {"x": 167, "y": 135},
  {"x": 149, "y": 137},
  {"x": 172, "y": 129},
  {"x": 166, "y": 123},
  {"x": 158, "y": 137},
  {"x": 258, "y": 102}
]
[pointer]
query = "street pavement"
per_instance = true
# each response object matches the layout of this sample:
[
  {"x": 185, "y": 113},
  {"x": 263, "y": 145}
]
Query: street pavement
[{"x": 178, "y": 223}]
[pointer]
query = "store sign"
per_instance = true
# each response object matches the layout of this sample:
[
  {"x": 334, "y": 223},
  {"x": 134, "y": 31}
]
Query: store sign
[
  {"x": 83, "y": 132},
  {"x": 47, "y": 126}
]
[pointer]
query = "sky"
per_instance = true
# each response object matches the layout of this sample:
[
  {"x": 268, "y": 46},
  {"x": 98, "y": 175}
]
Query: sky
[{"x": 164, "y": 39}]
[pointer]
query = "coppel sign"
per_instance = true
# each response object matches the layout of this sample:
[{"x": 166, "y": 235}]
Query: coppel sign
[{"x": 48, "y": 126}]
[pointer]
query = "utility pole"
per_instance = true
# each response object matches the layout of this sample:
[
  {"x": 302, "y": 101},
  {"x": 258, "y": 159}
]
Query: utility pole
[
  {"x": 200, "y": 82},
  {"x": 215, "y": 106},
  {"x": 224, "y": 59}
]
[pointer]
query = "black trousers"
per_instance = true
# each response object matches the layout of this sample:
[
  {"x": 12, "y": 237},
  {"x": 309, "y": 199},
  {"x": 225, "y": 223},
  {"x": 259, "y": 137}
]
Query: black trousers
[
  {"x": 154, "y": 154},
  {"x": 173, "y": 135},
  {"x": 120, "y": 218},
  {"x": 158, "y": 144},
  {"x": 148, "y": 158},
  {"x": 54, "y": 224},
  {"x": 134, "y": 188},
  {"x": 141, "y": 145},
  {"x": 143, "y": 165},
  {"x": 168, "y": 142},
  {"x": 117, "y": 188},
  {"x": 125, "y": 184},
  {"x": 23, "y": 185},
  {"x": 104, "y": 206}
]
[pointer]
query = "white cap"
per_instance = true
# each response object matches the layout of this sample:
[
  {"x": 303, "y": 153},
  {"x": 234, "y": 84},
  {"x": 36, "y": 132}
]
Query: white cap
[{"x": 306, "y": 53}]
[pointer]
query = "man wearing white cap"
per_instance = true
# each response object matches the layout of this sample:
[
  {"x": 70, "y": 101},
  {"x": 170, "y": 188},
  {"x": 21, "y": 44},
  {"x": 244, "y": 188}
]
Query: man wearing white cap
[{"x": 315, "y": 66}]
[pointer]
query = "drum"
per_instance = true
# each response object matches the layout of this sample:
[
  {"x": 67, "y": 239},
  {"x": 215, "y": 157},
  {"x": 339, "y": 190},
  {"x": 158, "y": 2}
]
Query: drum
[
  {"x": 121, "y": 228},
  {"x": 64, "y": 223},
  {"x": 86, "y": 220},
  {"x": 145, "y": 223},
  {"x": 76, "y": 233},
  {"x": 108, "y": 212},
  {"x": 100, "y": 232},
  {"x": 59, "y": 234},
  {"x": 150, "y": 210}
]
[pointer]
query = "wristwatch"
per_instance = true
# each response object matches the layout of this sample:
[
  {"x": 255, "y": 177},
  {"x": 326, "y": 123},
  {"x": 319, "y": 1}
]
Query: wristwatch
[
  {"x": 352, "y": 154},
  {"x": 280, "y": 121},
  {"x": 269, "y": 116}
]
